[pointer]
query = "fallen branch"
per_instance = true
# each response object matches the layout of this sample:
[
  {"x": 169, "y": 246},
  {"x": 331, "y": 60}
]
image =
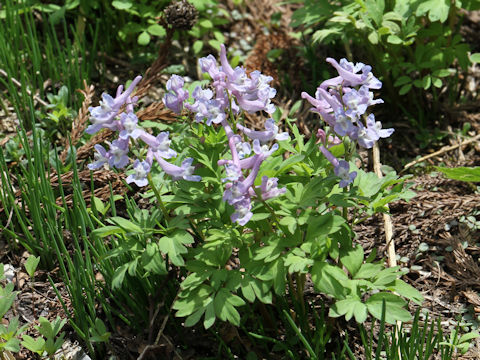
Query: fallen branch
[{"x": 441, "y": 151}]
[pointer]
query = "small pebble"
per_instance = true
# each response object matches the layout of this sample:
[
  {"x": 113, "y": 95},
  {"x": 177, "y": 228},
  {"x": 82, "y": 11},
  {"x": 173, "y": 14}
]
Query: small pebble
[{"x": 9, "y": 272}]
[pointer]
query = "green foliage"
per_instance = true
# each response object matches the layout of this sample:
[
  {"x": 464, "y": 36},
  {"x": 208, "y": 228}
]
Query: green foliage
[
  {"x": 33, "y": 51},
  {"x": 303, "y": 232},
  {"x": 7, "y": 296},
  {"x": 207, "y": 30},
  {"x": 50, "y": 341},
  {"x": 31, "y": 265},
  {"x": 414, "y": 341},
  {"x": 469, "y": 174},
  {"x": 414, "y": 45},
  {"x": 140, "y": 20},
  {"x": 9, "y": 335},
  {"x": 57, "y": 122}
]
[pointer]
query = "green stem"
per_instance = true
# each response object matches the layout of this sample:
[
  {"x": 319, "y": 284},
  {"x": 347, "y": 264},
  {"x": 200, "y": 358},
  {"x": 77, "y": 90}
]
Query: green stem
[
  {"x": 292, "y": 291},
  {"x": 301, "y": 278},
  {"x": 270, "y": 209},
  {"x": 161, "y": 205}
]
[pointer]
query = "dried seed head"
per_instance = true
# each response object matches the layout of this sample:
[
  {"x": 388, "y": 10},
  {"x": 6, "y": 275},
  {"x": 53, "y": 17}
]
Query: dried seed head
[{"x": 181, "y": 15}]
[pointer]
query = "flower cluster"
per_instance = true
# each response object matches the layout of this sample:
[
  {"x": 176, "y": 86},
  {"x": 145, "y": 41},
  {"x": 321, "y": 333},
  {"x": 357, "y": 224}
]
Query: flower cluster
[
  {"x": 117, "y": 114},
  {"x": 342, "y": 103},
  {"x": 232, "y": 91}
]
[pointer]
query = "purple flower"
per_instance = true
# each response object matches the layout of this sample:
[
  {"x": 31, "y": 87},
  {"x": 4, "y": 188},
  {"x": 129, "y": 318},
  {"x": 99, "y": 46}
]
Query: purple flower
[
  {"x": 214, "y": 111},
  {"x": 175, "y": 83},
  {"x": 253, "y": 94},
  {"x": 139, "y": 177},
  {"x": 235, "y": 192},
  {"x": 234, "y": 173},
  {"x": 270, "y": 188},
  {"x": 101, "y": 157},
  {"x": 130, "y": 129},
  {"x": 367, "y": 135},
  {"x": 349, "y": 75},
  {"x": 242, "y": 213},
  {"x": 320, "y": 106},
  {"x": 356, "y": 103},
  {"x": 184, "y": 171},
  {"x": 209, "y": 65},
  {"x": 382, "y": 133},
  {"x": 342, "y": 170},
  {"x": 243, "y": 148},
  {"x": 343, "y": 125},
  {"x": 176, "y": 95},
  {"x": 103, "y": 116},
  {"x": 263, "y": 150},
  {"x": 159, "y": 145},
  {"x": 270, "y": 133},
  {"x": 118, "y": 153},
  {"x": 205, "y": 107}
]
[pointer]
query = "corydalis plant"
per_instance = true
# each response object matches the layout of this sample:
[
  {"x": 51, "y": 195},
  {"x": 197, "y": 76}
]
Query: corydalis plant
[
  {"x": 117, "y": 114},
  {"x": 342, "y": 102},
  {"x": 234, "y": 91}
]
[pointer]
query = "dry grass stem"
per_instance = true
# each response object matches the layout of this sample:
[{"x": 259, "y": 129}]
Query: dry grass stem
[{"x": 80, "y": 122}]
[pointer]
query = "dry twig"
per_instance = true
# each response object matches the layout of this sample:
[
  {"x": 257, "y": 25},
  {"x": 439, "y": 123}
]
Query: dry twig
[
  {"x": 441, "y": 151},
  {"x": 80, "y": 122}
]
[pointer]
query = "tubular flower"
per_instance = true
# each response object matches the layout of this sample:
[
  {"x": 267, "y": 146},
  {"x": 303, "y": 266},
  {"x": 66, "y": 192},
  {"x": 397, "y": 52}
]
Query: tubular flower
[
  {"x": 103, "y": 116},
  {"x": 139, "y": 177},
  {"x": 340, "y": 168},
  {"x": 176, "y": 95}
]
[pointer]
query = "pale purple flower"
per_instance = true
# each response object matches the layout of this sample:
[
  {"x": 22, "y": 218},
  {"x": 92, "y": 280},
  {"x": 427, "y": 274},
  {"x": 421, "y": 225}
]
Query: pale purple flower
[
  {"x": 118, "y": 153},
  {"x": 101, "y": 157},
  {"x": 263, "y": 149},
  {"x": 209, "y": 65},
  {"x": 258, "y": 89},
  {"x": 342, "y": 170},
  {"x": 139, "y": 177},
  {"x": 242, "y": 213},
  {"x": 214, "y": 111},
  {"x": 349, "y": 75},
  {"x": 233, "y": 172},
  {"x": 185, "y": 171},
  {"x": 367, "y": 135},
  {"x": 252, "y": 94},
  {"x": 356, "y": 103},
  {"x": 175, "y": 83},
  {"x": 320, "y": 106},
  {"x": 270, "y": 133},
  {"x": 159, "y": 145},
  {"x": 270, "y": 188},
  {"x": 173, "y": 102},
  {"x": 343, "y": 124},
  {"x": 383, "y": 133},
  {"x": 104, "y": 115},
  {"x": 331, "y": 97},
  {"x": 176, "y": 95},
  {"x": 201, "y": 96},
  {"x": 243, "y": 148},
  {"x": 235, "y": 192},
  {"x": 130, "y": 129},
  {"x": 364, "y": 91},
  {"x": 204, "y": 107}
]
